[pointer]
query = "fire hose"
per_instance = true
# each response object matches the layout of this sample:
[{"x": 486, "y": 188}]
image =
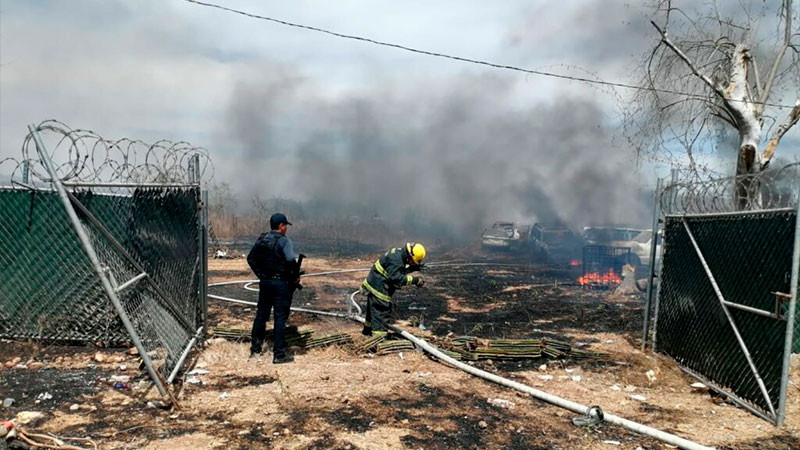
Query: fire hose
[{"x": 590, "y": 411}]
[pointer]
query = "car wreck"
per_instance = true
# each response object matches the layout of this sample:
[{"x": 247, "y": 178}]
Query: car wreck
[
  {"x": 555, "y": 244},
  {"x": 502, "y": 236}
]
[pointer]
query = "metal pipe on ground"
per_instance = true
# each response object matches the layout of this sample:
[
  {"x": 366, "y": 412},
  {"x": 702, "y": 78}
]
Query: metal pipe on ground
[{"x": 541, "y": 395}]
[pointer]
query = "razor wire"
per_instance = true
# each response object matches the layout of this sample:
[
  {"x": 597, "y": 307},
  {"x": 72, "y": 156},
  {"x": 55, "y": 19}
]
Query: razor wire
[
  {"x": 86, "y": 157},
  {"x": 769, "y": 189}
]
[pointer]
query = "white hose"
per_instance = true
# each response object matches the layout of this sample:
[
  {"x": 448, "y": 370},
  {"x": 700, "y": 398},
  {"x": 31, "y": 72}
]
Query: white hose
[{"x": 541, "y": 395}]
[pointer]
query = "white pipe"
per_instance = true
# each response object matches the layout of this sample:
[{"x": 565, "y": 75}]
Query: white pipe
[{"x": 541, "y": 395}]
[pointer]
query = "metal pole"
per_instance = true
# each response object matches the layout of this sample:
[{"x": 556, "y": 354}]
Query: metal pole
[
  {"x": 651, "y": 274},
  {"x": 790, "y": 316},
  {"x": 204, "y": 265},
  {"x": 184, "y": 355},
  {"x": 98, "y": 267}
]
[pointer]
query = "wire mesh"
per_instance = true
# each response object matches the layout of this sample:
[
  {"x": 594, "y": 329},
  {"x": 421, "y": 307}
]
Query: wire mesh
[
  {"x": 749, "y": 255},
  {"x": 49, "y": 289}
]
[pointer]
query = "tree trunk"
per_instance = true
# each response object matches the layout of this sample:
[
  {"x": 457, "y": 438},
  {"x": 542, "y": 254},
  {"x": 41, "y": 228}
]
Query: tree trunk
[{"x": 747, "y": 168}]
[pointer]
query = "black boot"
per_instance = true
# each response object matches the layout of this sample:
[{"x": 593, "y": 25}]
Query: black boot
[
  {"x": 366, "y": 331},
  {"x": 283, "y": 359},
  {"x": 255, "y": 349}
]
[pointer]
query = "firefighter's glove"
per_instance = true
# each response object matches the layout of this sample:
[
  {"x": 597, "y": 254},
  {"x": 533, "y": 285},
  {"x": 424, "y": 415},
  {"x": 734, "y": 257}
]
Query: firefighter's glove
[
  {"x": 416, "y": 267},
  {"x": 419, "y": 282}
]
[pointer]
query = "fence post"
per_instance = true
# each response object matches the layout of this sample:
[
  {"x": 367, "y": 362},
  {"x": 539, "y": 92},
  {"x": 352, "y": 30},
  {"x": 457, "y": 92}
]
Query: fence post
[
  {"x": 790, "y": 315},
  {"x": 87, "y": 246},
  {"x": 204, "y": 263},
  {"x": 26, "y": 169},
  {"x": 651, "y": 274}
]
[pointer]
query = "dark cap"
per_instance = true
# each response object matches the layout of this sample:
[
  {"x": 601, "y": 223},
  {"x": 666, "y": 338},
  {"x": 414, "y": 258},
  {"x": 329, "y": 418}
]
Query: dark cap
[{"x": 277, "y": 219}]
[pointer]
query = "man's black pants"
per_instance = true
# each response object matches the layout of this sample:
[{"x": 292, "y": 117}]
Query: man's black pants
[{"x": 272, "y": 294}]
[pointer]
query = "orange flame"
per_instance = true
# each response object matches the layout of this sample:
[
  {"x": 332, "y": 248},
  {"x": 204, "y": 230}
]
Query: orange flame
[
  {"x": 597, "y": 278},
  {"x": 574, "y": 262}
]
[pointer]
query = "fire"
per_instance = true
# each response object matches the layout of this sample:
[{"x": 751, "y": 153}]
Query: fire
[
  {"x": 609, "y": 277},
  {"x": 574, "y": 262}
]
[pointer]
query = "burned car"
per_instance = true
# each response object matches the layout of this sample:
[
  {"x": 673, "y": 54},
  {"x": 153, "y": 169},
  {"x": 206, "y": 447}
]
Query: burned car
[
  {"x": 502, "y": 236},
  {"x": 555, "y": 244},
  {"x": 638, "y": 240}
]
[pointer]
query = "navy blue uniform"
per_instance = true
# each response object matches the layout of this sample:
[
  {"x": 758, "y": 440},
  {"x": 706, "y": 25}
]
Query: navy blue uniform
[{"x": 272, "y": 259}]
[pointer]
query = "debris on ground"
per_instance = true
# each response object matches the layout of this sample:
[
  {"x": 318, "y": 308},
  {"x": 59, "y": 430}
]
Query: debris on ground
[
  {"x": 501, "y": 403},
  {"x": 28, "y": 417}
]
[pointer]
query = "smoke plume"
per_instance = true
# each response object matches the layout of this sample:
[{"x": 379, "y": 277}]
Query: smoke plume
[{"x": 457, "y": 154}]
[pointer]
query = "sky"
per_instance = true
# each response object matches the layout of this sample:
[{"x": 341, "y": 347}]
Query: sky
[{"x": 292, "y": 113}]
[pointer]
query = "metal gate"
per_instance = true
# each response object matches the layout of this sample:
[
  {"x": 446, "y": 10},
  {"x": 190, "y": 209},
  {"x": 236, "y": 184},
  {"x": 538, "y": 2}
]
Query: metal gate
[
  {"x": 87, "y": 259},
  {"x": 725, "y": 307}
]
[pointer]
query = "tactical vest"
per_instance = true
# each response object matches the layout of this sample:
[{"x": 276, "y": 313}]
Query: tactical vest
[{"x": 267, "y": 259}]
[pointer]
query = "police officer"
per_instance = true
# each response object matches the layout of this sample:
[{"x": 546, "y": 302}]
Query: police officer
[
  {"x": 389, "y": 273},
  {"x": 272, "y": 259}
]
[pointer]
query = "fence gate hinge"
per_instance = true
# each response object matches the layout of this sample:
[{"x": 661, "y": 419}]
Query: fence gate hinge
[{"x": 781, "y": 299}]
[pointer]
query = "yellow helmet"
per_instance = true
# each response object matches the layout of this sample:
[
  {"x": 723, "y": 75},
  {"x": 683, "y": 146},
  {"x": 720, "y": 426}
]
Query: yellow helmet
[{"x": 416, "y": 251}]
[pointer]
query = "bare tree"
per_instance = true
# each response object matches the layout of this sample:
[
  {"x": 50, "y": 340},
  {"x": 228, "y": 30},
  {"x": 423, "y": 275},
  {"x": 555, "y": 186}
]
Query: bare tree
[{"x": 739, "y": 63}]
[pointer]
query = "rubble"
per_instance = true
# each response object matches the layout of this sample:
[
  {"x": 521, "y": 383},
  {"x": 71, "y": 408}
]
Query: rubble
[
  {"x": 13, "y": 362},
  {"x": 501, "y": 403},
  {"x": 28, "y": 416}
]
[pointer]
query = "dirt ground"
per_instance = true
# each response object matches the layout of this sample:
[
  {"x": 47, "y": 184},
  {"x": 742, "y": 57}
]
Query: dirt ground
[{"x": 338, "y": 398}]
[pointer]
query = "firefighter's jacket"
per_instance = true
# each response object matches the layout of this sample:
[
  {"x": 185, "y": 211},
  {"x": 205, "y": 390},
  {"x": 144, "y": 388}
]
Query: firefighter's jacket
[{"x": 388, "y": 274}]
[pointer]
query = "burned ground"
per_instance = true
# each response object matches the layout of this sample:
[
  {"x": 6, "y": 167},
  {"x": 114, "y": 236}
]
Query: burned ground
[{"x": 338, "y": 398}]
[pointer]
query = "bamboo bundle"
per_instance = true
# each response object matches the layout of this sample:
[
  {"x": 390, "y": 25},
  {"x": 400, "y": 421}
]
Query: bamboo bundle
[
  {"x": 586, "y": 354},
  {"x": 472, "y": 349},
  {"x": 394, "y": 346},
  {"x": 293, "y": 335},
  {"x": 331, "y": 339},
  {"x": 507, "y": 353},
  {"x": 371, "y": 342}
]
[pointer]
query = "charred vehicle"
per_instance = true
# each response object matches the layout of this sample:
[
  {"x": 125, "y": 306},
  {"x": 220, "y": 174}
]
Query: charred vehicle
[
  {"x": 502, "y": 236},
  {"x": 638, "y": 240},
  {"x": 555, "y": 244}
]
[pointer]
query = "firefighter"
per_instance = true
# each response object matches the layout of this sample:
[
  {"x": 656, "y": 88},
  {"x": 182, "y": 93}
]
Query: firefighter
[
  {"x": 272, "y": 259},
  {"x": 389, "y": 273}
]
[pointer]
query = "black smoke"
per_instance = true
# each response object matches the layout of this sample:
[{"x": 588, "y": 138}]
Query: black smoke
[{"x": 457, "y": 154}]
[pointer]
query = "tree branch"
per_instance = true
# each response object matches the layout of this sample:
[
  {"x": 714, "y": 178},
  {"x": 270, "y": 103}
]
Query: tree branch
[
  {"x": 787, "y": 41},
  {"x": 772, "y": 144},
  {"x": 718, "y": 90}
]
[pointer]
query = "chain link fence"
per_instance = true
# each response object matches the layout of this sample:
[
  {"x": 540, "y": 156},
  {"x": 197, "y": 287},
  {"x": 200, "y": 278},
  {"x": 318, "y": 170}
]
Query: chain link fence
[
  {"x": 48, "y": 287},
  {"x": 111, "y": 262},
  {"x": 50, "y": 290},
  {"x": 728, "y": 282}
]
